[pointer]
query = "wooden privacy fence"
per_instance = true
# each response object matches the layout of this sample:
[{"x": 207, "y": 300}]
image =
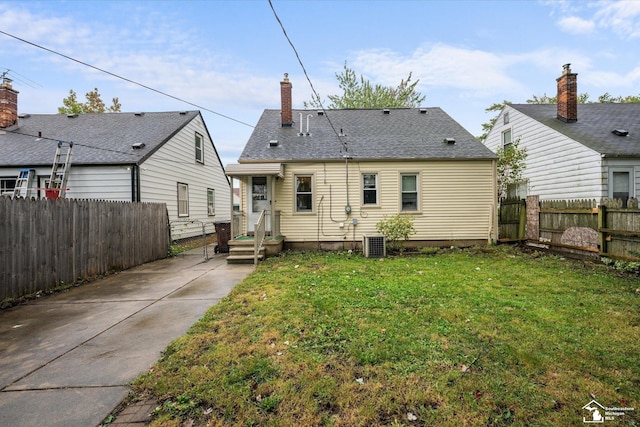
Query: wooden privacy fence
[
  {"x": 582, "y": 226},
  {"x": 512, "y": 219},
  {"x": 46, "y": 243}
]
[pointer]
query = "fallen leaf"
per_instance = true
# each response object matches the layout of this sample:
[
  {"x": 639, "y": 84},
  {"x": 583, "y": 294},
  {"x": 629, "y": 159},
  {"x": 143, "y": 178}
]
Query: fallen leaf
[{"x": 360, "y": 380}]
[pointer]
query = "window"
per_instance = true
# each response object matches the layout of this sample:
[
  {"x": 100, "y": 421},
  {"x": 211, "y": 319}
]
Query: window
[
  {"x": 304, "y": 193},
  {"x": 409, "y": 192},
  {"x": 199, "y": 148},
  {"x": 621, "y": 185},
  {"x": 369, "y": 189},
  {"x": 518, "y": 190},
  {"x": 211, "y": 201},
  {"x": 183, "y": 199},
  {"x": 506, "y": 138},
  {"x": 7, "y": 185}
]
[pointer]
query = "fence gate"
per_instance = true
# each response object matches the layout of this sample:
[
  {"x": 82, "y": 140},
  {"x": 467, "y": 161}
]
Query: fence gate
[{"x": 512, "y": 219}]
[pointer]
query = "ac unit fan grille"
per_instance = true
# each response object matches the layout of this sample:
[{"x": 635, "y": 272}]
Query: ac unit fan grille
[{"x": 374, "y": 246}]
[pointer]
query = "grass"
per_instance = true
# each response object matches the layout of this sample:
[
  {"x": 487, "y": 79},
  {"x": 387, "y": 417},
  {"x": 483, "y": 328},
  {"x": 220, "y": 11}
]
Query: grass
[{"x": 489, "y": 336}]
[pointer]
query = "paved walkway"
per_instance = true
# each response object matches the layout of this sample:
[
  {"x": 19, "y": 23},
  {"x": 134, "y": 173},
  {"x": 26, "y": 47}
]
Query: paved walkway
[{"x": 66, "y": 359}]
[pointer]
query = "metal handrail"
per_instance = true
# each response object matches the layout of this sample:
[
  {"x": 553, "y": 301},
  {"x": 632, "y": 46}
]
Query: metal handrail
[{"x": 259, "y": 235}]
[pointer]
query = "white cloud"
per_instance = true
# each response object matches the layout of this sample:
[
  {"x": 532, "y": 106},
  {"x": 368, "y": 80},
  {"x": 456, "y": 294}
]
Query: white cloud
[
  {"x": 576, "y": 25},
  {"x": 622, "y": 17},
  {"x": 440, "y": 65}
]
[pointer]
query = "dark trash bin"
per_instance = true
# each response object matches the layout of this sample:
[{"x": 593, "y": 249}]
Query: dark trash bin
[{"x": 223, "y": 234}]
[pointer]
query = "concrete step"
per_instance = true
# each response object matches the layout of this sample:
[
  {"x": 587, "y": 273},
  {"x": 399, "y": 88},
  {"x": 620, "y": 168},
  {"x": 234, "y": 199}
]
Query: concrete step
[
  {"x": 243, "y": 259},
  {"x": 243, "y": 255}
]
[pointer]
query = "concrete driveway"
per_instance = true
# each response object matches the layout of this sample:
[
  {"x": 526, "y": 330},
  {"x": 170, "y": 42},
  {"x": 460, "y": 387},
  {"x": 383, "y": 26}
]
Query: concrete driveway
[{"x": 66, "y": 359}]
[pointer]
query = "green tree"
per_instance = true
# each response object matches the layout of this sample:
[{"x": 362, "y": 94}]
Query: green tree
[
  {"x": 510, "y": 166},
  {"x": 486, "y": 127},
  {"x": 94, "y": 104},
  {"x": 361, "y": 93}
]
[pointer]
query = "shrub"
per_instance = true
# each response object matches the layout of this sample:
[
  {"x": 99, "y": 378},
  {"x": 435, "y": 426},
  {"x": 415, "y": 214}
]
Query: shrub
[{"x": 396, "y": 229}]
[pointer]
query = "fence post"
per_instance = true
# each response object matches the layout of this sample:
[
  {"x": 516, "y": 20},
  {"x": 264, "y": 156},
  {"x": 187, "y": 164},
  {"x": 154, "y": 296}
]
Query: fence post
[
  {"x": 602, "y": 224},
  {"x": 523, "y": 220},
  {"x": 533, "y": 218}
]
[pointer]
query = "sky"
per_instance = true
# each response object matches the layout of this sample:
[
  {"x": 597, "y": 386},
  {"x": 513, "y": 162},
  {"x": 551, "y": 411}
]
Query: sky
[{"x": 228, "y": 57}]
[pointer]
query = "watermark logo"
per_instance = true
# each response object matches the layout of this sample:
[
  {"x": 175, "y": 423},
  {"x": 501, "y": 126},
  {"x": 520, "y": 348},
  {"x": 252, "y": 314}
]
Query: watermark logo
[{"x": 595, "y": 413}]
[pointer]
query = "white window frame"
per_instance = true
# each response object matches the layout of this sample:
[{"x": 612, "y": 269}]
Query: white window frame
[
  {"x": 297, "y": 193},
  {"x": 373, "y": 189},
  {"x": 182, "y": 199},
  {"x": 4, "y": 187},
  {"x": 199, "y": 147},
  {"x": 416, "y": 191},
  {"x": 211, "y": 202},
  {"x": 628, "y": 170},
  {"x": 505, "y": 143}
]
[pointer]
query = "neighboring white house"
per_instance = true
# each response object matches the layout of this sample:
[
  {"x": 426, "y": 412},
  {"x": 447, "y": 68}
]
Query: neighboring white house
[
  {"x": 160, "y": 157},
  {"x": 574, "y": 151},
  {"x": 326, "y": 178}
]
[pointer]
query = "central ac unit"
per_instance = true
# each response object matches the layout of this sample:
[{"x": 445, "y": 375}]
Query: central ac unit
[{"x": 374, "y": 246}]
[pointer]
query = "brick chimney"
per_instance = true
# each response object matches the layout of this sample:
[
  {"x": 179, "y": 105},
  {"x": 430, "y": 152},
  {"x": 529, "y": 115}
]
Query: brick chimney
[
  {"x": 568, "y": 95},
  {"x": 8, "y": 104},
  {"x": 285, "y": 95}
]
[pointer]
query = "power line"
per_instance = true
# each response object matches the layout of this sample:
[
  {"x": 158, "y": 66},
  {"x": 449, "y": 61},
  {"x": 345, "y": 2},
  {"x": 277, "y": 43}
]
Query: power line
[
  {"x": 93, "y": 147},
  {"x": 123, "y": 78},
  {"x": 304, "y": 70}
]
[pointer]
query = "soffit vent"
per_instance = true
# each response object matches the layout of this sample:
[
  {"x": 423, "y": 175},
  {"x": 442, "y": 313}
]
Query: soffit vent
[{"x": 620, "y": 132}]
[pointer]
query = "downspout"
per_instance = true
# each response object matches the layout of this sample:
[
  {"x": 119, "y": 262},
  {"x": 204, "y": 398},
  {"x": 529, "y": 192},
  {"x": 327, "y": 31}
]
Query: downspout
[{"x": 135, "y": 183}]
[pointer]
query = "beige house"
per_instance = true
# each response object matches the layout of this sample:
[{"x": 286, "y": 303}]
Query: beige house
[{"x": 324, "y": 179}]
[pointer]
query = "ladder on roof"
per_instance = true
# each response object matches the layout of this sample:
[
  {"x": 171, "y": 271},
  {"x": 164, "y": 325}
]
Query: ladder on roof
[
  {"x": 23, "y": 183},
  {"x": 56, "y": 187}
]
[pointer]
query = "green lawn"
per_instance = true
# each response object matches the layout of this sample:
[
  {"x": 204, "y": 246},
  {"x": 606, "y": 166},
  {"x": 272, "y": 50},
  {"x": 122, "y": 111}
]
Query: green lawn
[{"x": 471, "y": 337}]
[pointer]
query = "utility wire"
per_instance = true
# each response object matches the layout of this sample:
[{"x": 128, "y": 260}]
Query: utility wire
[
  {"x": 93, "y": 147},
  {"x": 123, "y": 78},
  {"x": 304, "y": 70}
]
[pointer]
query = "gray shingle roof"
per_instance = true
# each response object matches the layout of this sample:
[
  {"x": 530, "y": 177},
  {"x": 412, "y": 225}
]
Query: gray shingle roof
[
  {"x": 98, "y": 138},
  {"x": 594, "y": 126},
  {"x": 403, "y": 134}
]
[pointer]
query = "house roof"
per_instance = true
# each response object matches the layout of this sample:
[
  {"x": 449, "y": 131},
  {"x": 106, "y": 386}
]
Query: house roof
[
  {"x": 98, "y": 138},
  {"x": 595, "y": 126},
  {"x": 368, "y": 134}
]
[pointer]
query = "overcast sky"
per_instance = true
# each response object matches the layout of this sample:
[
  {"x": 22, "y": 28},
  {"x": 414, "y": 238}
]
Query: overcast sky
[{"x": 229, "y": 56}]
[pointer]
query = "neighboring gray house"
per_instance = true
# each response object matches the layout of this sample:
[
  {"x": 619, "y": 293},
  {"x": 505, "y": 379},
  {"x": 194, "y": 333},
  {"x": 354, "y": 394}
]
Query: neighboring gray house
[
  {"x": 575, "y": 151},
  {"x": 161, "y": 157},
  {"x": 326, "y": 178}
]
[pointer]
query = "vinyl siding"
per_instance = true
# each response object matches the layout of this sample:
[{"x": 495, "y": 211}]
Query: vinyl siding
[
  {"x": 456, "y": 200},
  {"x": 86, "y": 182},
  {"x": 557, "y": 167},
  {"x": 175, "y": 163},
  {"x": 100, "y": 182}
]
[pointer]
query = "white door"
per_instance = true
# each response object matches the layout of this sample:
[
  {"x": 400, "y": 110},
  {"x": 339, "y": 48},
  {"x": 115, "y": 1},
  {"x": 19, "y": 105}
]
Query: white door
[{"x": 259, "y": 200}]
